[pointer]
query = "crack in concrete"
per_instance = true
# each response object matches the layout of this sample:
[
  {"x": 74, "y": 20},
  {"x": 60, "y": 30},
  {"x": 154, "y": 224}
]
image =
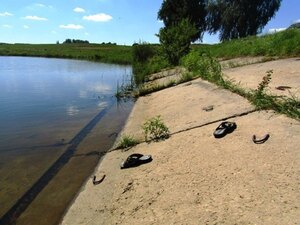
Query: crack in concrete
[
  {"x": 195, "y": 127},
  {"x": 215, "y": 121}
]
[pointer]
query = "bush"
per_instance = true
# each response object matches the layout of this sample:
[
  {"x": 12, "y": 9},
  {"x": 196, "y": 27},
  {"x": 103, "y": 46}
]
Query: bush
[
  {"x": 143, "y": 66},
  {"x": 200, "y": 63},
  {"x": 142, "y": 52},
  {"x": 127, "y": 141},
  {"x": 155, "y": 129}
]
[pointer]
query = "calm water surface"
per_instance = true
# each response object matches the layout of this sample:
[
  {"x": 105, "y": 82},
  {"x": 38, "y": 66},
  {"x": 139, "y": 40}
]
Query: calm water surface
[
  {"x": 44, "y": 103},
  {"x": 38, "y": 94}
]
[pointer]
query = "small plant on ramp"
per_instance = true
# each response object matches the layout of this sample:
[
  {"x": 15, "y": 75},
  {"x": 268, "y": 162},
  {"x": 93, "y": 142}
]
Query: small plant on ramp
[
  {"x": 259, "y": 97},
  {"x": 127, "y": 141},
  {"x": 155, "y": 129}
]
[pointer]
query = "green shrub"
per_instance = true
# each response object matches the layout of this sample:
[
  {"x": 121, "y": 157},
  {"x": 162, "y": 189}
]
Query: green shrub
[
  {"x": 127, "y": 141},
  {"x": 155, "y": 129},
  {"x": 200, "y": 63},
  {"x": 141, "y": 70},
  {"x": 147, "y": 59},
  {"x": 142, "y": 52}
]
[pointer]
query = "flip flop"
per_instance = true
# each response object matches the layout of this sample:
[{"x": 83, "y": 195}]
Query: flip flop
[
  {"x": 283, "y": 88},
  {"x": 224, "y": 128},
  {"x": 135, "y": 160},
  {"x": 95, "y": 182},
  {"x": 260, "y": 141}
]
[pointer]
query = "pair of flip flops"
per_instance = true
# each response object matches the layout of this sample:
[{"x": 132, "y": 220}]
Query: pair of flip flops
[
  {"x": 224, "y": 128},
  {"x": 135, "y": 160},
  {"x": 228, "y": 127}
]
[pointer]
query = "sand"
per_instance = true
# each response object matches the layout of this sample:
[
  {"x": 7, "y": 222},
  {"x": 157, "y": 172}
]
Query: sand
[{"x": 195, "y": 178}]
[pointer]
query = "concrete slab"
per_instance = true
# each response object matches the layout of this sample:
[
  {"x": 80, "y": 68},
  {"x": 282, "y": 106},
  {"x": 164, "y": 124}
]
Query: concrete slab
[
  {"x": 240, "y": 61},
  {"x": 197, "y": 179},
  {"x": 286, "y": 72},
  {"x": 181, "y": 107}
]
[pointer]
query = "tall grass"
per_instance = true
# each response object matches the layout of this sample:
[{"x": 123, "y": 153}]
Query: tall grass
[{"x": 282, "y": 44}]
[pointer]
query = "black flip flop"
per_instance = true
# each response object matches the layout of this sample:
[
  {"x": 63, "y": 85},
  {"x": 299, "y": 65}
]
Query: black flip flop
[
  {"x": 224, "y": 128},
  {"x": 95, "y": 182},
  {"x": 260, "y": 141},
  {"x": 135, "y": 160}
]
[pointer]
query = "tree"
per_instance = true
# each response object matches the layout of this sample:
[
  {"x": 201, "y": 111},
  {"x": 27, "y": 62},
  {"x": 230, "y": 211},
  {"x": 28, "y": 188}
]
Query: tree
[
  {"x": 75, "y": 41},
  {"x": 172, "y": 12},
  {"x": 239, "y": 18},
  {"x": 176, "y": 40}
]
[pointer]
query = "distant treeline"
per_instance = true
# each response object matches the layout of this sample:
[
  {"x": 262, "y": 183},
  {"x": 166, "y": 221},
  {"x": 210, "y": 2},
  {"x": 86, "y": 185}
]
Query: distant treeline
[
  {"x": 75, "y": 41},
  {"x": 78, "y": 41}
]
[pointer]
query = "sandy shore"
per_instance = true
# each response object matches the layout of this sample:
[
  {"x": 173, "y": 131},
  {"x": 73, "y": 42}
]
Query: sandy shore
[{"x": 195, "y": 178}]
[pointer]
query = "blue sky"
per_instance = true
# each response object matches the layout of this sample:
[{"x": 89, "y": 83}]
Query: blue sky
[{"x": 119, "y": 21}]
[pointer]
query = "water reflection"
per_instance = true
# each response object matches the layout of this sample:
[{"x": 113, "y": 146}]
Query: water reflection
[
  {"x": 72, "y": 110},
  {"x": 38, "y": 95}
]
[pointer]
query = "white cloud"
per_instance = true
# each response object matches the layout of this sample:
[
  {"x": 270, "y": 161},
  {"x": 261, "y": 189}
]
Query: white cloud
[
  {"x": 296, "y": 21},
  {"x": 40, "y": 5},
  {"x": 6, "y": 14},
  {"x": 35, "y": 18},
  {"x": 275, "y": 30},
  {"x": 71, "y": 26},
  {"x": 6, "y": 26},
  {"x": 26, "y": 27},
  {"x": 79, "y": 10},
  {"x": 100, "y": 17}
]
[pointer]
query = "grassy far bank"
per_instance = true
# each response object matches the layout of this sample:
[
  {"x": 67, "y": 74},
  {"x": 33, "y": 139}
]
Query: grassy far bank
[
  {"x": 105, "y": 53},
  {"x": 150, "y": 56}
]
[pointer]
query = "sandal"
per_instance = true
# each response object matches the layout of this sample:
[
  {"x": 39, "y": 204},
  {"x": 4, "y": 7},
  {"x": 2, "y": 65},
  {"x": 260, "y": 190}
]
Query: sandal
[
  {"x": 260, "y": 141},
  {"x": 224, "y": 128},
  {"x": 135, "y": 160},
  {"x": 96, "y": 182}
]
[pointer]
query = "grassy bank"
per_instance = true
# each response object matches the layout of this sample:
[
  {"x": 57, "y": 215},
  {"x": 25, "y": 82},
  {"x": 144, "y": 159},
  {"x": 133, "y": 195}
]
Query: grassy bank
[
  {"x": 281, "y": 44},
  {"x": 95, "y": 52}
]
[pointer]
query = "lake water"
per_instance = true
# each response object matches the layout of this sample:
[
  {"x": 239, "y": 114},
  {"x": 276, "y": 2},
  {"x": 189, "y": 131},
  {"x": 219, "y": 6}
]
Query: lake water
[{"x": 44, "y": 105}]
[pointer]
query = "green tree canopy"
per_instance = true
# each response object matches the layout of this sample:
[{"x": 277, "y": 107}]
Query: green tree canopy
[
  {"x": 239, "y": 18},
  {"x": 172, "y": 12},
  {"x": 176, "y": 40}
]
